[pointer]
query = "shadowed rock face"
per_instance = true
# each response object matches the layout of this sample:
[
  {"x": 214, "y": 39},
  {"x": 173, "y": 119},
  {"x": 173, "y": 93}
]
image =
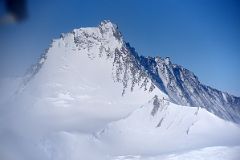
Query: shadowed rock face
[
  {"x": 158, "y": 105},
  {"x": 184, "y": 88}
]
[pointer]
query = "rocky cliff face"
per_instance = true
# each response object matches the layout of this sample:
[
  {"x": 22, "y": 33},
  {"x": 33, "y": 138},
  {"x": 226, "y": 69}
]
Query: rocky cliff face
[{"x": 184, "y": 88}]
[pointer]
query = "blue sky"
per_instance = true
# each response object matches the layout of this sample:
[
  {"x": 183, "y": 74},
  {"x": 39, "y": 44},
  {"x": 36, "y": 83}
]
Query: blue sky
[{"x": 201, "y": 35}]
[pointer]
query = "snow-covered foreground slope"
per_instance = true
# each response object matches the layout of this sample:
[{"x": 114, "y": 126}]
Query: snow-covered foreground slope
[
  {"x": 161, "y": 127},
  {"x": 157, "y": 130},
  {"x": 209, "y": 153}
]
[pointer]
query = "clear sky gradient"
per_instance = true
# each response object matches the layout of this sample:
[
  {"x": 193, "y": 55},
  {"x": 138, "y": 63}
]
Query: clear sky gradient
[{"x": 201, "y": 35}]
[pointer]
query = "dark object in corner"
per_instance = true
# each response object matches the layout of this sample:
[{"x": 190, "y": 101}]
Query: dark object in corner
[
  {"x": 17, "y": 8},
  {"x": 16, "y": 11}
]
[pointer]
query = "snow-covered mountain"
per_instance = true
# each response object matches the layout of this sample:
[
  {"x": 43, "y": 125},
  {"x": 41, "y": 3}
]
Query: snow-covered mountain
[
  {"x": 82, "y": 99},
  {"x": 105, "y": 42}
]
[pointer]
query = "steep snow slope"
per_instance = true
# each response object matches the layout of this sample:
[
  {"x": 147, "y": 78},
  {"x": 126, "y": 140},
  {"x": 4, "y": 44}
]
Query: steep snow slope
[
  {"x": 163, "y": 127},
  {"x": 184, "y": 88},
  {"x": 90, "y": 69}
]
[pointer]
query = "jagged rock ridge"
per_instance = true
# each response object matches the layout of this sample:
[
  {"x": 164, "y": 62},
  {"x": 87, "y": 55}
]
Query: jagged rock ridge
[{"x": 184, "y": 88}]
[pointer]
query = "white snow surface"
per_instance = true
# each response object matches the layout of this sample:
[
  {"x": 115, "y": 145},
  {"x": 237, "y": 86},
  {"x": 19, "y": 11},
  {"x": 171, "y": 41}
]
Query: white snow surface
[
  {"x": 209, "y": 153},
  {"x": 72, "y": 109},
  {"x": 173, "y": 128}
]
